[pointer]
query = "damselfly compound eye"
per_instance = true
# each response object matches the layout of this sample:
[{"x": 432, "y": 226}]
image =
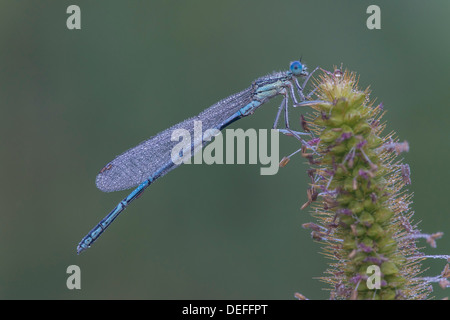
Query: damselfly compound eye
[{"x": 296, "y": 68}]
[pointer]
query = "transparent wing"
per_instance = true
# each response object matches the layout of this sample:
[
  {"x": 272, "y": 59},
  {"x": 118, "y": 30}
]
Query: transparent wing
[{"x": 137, "y": 164}]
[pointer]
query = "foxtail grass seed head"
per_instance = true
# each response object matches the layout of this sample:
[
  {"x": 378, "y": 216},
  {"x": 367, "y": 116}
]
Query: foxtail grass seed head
[{"x": 358, "y": 198}]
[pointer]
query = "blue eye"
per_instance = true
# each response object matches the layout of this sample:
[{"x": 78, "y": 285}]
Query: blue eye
[{"x": 296, "y": 68}]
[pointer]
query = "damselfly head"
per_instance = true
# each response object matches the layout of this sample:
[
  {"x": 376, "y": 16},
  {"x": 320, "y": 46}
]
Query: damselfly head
[{"x": 298, "y": 69}]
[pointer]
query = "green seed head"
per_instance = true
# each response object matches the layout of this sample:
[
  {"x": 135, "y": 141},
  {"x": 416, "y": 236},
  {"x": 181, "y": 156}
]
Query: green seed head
[{"x": 362, "y": 211}]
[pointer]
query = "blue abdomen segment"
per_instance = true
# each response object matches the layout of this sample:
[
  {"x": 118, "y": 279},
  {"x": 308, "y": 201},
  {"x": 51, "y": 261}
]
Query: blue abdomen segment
[{"x": 93, "y": 235}]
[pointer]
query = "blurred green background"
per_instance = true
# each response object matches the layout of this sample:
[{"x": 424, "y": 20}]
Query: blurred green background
[{"x": 72, "y": 100}]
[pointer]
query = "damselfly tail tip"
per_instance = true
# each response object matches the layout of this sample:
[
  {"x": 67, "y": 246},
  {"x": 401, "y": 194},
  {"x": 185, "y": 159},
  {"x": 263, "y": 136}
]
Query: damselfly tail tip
[{"x": 80, "y": 249}]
